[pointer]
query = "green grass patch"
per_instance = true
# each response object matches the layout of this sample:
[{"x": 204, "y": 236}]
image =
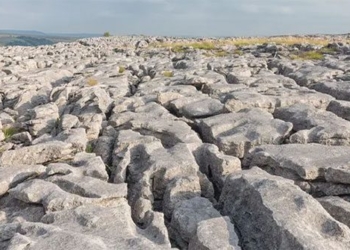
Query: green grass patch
[
  {"x": 283, "y": 40},
  {"x": 203, "y": 45},
  {"x": 8, "y": 132},
  {"x": 89, "y": 148},
  {"x": 220, "y": 53},
  {"x": 309, "y": 55},
  {"x": 326, "y": 50},
  {"x": 168, "y": 73},
  {"x": 106, "y": 34},
  {"x": 216, "y": 53},
  {"x": 211, "y": 44},
  {"x": 121, "y": 69},
  {"x": 187, "y": 46},
  {"x": 238, "y": 52}
]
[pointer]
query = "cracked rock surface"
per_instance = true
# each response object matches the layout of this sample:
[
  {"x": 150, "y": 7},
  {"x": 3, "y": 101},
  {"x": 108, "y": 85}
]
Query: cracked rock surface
[{"x": 119, "y": 143}]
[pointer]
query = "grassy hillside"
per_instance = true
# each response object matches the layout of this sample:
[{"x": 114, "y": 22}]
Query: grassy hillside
[{"x": 35, "y": 38}]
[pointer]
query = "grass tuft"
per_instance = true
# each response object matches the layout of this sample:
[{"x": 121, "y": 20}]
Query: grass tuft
[
  {"x": 309, "y": 55},
  {"x": 212, "y": 45},
  {"x": 106, "y": 34},
  {"x": 8, "y": 132},
  {"x": 89, "y": 148},
  {"x": 168, "y": 73},
  {"x": 284, "y": 40},
  {"x": 121, "y": 69},
  {"x": 92, "y": 81},
  {"x": 186, "y": 46},
  {"x": 238, "y": 52},
  {"x": 221, "y": 53}
]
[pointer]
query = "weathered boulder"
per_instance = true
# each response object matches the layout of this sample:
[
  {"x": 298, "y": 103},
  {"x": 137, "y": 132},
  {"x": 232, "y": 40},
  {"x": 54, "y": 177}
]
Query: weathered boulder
[
  {"x": 340, "y": 108},
  {"x": 307, "y": 161},
  {"x": 216, "y": 233},
  {"x": 68, "y": 121},
  {"x": 91, "y": 99},
  {"x": 272, "y": 213},
  {"x": 178, "y": 190},
  {"x": 77, "y": 137},
  {"x": 10, "y": 176},
  {"x": 13, "y": 210},
  {"x": 87, "y": 227},
  {"x": 38, "y": 154},
  {"x": 215, "y": 164},
  {"x": 43, "y": 119},
  {"x": 308, "y": 75},
  {"x": 315, "y": 125},
  {"x": 153, "y": 119},
  {"x": 53, "y": 198},
  {"x": 340, "y": 90},
  {"x": 337, "y": 207},
  {"x": 202, "y": 108},
  {"x": 322, "y": 188},
  {"x": 188, "y": 214},
  {"x": 236, "y": 133}
]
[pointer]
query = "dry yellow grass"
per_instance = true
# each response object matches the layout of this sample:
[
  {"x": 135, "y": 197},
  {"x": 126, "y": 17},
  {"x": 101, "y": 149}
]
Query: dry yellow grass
[
  {"x": 121, "y": 69},
  {"x": 92, "y": 81},
  {"x": 318, "y": 54},
  {"x": 309, "y": 55},
  {"x": 288, "y": 40},
  {"x": 211, "y": 44},
  {"x": 168, "y": 73}
]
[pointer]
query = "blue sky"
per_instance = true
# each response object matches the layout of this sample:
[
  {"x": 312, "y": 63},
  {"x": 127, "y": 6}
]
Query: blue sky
[{"x": 178, "y": 17}]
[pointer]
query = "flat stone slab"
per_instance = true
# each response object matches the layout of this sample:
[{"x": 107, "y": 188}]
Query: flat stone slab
[
  {"x": 315, "y": 125},
  {"x": 305, "y": 161},
  {"x": 10, "y": 176},
  {"x": 38, "y": 154},
  {"x": 202, "y": 108},
  {"x": 308, "y": 75},
  {"x": 87, "y": 227},
  {"x": 236, "y": 133},
  {"x": 339, "y": 90},
  {"x": 270, "y": 99}
]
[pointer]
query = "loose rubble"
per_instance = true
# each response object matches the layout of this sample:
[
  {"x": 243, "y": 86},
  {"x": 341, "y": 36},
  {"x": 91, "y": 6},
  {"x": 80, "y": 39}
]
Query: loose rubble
[{"x": 124, "y": 143}]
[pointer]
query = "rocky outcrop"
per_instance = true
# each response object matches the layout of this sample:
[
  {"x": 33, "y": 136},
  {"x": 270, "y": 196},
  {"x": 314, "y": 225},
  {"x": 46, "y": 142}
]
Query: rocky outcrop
[
  {"x": 141, "y": 143},
  {"x": 272, "y": 213}
]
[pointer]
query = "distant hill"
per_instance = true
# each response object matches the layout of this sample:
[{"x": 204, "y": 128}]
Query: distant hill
[
  {"x": 39, "y": 33},
  {"x": 23, "y": 32},
  {"x": 29, "y": 41},
  {"x": 37, "y": 38},
  {"x": 76, "y": 35}
]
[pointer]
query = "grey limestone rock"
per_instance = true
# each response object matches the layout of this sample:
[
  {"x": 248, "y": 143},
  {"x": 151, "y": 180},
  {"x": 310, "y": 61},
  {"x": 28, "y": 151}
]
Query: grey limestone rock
[
  {"x": 216, "y": 233},
  {"x": 272, "y": 213},
  {"x": 38, "y": 154},
  {"x": 340, "y": 90},
  {"x": 308, "y": 75},
  {"x": 236, "y": 133},
  {"x": 189, "y": 213},
  {"x": 340, "y": 108},
  {"x": 315, "y": 125},
  {"x": 12, "y": 175},
  {"x": 307, "y": 161},
  {"x": 141, "y": 142},
  {"x": 337, "y": 207}
]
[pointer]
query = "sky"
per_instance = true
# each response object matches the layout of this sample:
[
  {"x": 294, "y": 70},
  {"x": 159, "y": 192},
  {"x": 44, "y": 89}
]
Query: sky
[{"x": 178, "y": 17}]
